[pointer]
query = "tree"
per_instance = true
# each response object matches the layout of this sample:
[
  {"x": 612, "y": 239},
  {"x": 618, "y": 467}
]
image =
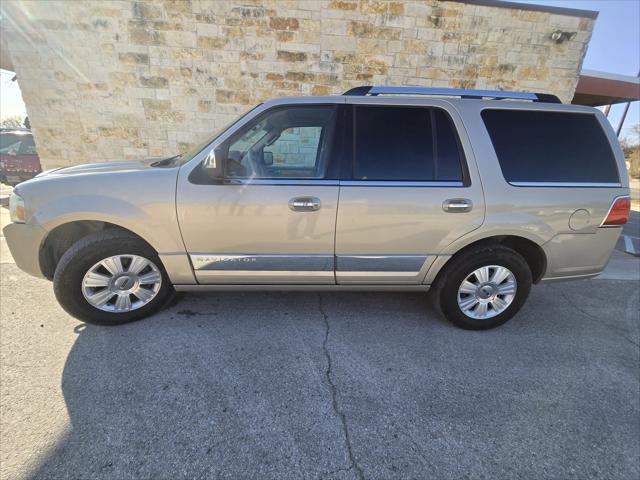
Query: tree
[
  {"x": 11, "y": 122},
  {"x": 635, "y": 132},
  {"x": 631, "y": 148}
]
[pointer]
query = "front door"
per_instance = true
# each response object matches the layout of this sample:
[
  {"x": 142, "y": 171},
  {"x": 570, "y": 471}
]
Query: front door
[
  {"x": 272, "y": 219},
  {"x": 409, "y": 192}
]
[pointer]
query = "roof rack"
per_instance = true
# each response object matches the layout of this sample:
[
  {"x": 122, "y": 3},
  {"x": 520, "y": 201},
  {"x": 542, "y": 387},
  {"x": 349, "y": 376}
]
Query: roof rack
[{"x": 452, "y": 92}]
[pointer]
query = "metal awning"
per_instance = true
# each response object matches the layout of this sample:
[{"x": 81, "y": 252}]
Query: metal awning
[{"x": 601, "y": 88}]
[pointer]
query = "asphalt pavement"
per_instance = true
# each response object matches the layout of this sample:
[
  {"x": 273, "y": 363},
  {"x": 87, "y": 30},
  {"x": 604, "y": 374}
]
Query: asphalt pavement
[{"x": 331, "y": 385}]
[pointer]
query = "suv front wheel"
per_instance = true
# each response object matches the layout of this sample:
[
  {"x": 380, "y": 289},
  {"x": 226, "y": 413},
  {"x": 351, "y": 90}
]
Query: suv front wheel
[
  {"x": 111, "y": 277},
  {"x": 483, "y": 287}
]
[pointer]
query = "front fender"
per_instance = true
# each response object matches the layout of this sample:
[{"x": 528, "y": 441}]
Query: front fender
[
  {"x": 141, "y": 201},
  {"x": 160, "y": 235}
]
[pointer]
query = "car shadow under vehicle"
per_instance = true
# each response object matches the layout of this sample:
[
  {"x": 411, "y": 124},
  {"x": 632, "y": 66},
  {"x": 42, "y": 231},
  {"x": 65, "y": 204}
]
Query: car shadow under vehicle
[{"x": 354, "y": 385}]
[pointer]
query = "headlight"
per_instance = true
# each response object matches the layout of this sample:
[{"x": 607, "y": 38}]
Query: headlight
[{"x": 16, "y": 208}]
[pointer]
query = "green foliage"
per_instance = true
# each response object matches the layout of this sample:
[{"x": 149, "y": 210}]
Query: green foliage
[{"x": 12, "y": 122}]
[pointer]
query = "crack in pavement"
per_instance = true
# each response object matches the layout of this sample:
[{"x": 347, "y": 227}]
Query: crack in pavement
[
  {"x": 623, "y": 333},
  {"x": 334, "y": 393}
]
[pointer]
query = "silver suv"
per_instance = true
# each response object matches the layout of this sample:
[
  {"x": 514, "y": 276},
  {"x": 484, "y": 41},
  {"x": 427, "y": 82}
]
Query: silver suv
[{"x": 474, "y": 194}]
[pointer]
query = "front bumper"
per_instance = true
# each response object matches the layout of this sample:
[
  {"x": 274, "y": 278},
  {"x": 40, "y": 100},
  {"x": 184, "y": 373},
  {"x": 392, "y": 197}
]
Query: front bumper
[{"x": 24, "y": 241}]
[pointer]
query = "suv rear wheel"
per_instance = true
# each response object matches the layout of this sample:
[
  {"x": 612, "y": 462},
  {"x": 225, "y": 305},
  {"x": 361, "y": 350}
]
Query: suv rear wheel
[
  {"x": 483, "y": 287},
  {"x": 111, "y": 277}
]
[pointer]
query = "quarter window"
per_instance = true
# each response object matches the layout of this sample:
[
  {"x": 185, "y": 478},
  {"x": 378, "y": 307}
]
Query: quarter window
[
  {"x": 405, "y": 144},
  {"x": 542, "y": 146}
]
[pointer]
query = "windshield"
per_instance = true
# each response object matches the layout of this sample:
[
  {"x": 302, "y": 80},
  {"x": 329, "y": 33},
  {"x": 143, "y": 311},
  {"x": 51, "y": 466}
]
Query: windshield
[{"x": 189, "y": 154}]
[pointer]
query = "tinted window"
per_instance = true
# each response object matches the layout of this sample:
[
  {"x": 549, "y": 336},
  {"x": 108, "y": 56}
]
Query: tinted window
[
  {"x": 289, "y": 142},
  {"x": 447, "y": 149},
  {"x": 405, "y": 143},
  {"x": 539, "y": 146},
  {"x": 393, "y": 143},
  {"x": 6, "y": 139},
  {"x": 28, "y": 147},
  {"x": 10, "y": 143}
]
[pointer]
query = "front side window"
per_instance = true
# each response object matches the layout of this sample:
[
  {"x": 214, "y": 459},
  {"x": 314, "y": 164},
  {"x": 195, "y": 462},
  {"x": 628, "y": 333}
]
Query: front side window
[
  {"x": 288, "y": 143},
  {"x": 550, "y": 147},
  {"x": 405, "y": 144}
]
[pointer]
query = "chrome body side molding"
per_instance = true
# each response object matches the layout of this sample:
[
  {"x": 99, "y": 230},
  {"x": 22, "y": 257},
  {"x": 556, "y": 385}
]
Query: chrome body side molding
[
  {"x": 246, "y": 262},
  {"x": 318, "y": 263},
  {"x": 314, "y": 269},
  {"x": 380, "y": 263}
]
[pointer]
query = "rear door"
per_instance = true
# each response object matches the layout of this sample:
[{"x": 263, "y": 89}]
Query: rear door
[{"x": 411, "y": 189}]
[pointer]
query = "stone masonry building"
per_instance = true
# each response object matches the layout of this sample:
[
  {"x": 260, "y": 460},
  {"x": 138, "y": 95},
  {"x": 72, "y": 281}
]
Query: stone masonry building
[{"x": 114, "y": 80}]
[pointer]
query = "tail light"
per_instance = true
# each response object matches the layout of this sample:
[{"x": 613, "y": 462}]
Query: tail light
[{"x": 618, "y": 212}]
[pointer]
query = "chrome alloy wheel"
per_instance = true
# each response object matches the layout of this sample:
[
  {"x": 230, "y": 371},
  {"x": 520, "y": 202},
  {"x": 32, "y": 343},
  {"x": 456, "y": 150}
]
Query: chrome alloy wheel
[
  {"x": 487, "y": 292},
  {"x": 121, "y": 283}
]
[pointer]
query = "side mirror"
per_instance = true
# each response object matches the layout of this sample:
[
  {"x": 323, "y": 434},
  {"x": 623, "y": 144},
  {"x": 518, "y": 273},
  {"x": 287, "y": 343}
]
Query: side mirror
[
  {"x": 267, "y": 158},
  {"x": 213, "y": 165}
]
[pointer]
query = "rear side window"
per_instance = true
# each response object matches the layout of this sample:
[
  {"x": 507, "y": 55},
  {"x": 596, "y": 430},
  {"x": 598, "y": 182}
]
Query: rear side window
[
  {"x": 449, "y": 164},
  {"x": 550, "y": 147},
  {"x": 405, "y": 144}
]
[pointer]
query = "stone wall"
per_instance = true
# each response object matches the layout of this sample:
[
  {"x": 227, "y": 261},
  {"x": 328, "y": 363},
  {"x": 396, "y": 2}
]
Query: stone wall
[{"x": 117, "y": 80}]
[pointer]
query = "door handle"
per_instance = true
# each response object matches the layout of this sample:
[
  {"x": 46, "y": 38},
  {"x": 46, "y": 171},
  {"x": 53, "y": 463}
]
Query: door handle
[
  {"x": 457, "y": 205},
  {"x": 304, "y": 204}
]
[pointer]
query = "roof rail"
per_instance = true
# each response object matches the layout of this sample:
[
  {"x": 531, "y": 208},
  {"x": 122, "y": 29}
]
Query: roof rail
[{"x": 452, "y": 92}]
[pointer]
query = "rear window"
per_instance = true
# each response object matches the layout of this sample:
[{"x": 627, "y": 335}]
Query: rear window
[
  {"x": 7, "y": 139},
  {"x": 540, "y": 146}
]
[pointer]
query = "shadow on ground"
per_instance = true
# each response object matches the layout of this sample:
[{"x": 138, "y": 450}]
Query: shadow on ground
[{"x": 348, "y": 385}]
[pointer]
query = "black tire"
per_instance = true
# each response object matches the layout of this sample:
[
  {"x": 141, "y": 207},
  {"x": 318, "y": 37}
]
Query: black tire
[
  {"x": 466, "y": 262},
  {"x": 85, "y": 253}
]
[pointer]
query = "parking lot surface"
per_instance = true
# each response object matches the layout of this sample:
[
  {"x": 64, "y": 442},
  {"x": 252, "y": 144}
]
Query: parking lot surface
[{"x": 331, "y": 385}]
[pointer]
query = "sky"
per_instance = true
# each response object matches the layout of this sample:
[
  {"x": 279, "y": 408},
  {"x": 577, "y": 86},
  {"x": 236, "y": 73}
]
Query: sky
[
  {"x": 11, "y": 103},
  {"x": 614, "y": 48},
  {"x": 614, "y": 45}
]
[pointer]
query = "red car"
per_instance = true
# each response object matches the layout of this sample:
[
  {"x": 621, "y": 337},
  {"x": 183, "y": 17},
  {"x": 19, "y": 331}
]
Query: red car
[{"x": 19, "y": 160}]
